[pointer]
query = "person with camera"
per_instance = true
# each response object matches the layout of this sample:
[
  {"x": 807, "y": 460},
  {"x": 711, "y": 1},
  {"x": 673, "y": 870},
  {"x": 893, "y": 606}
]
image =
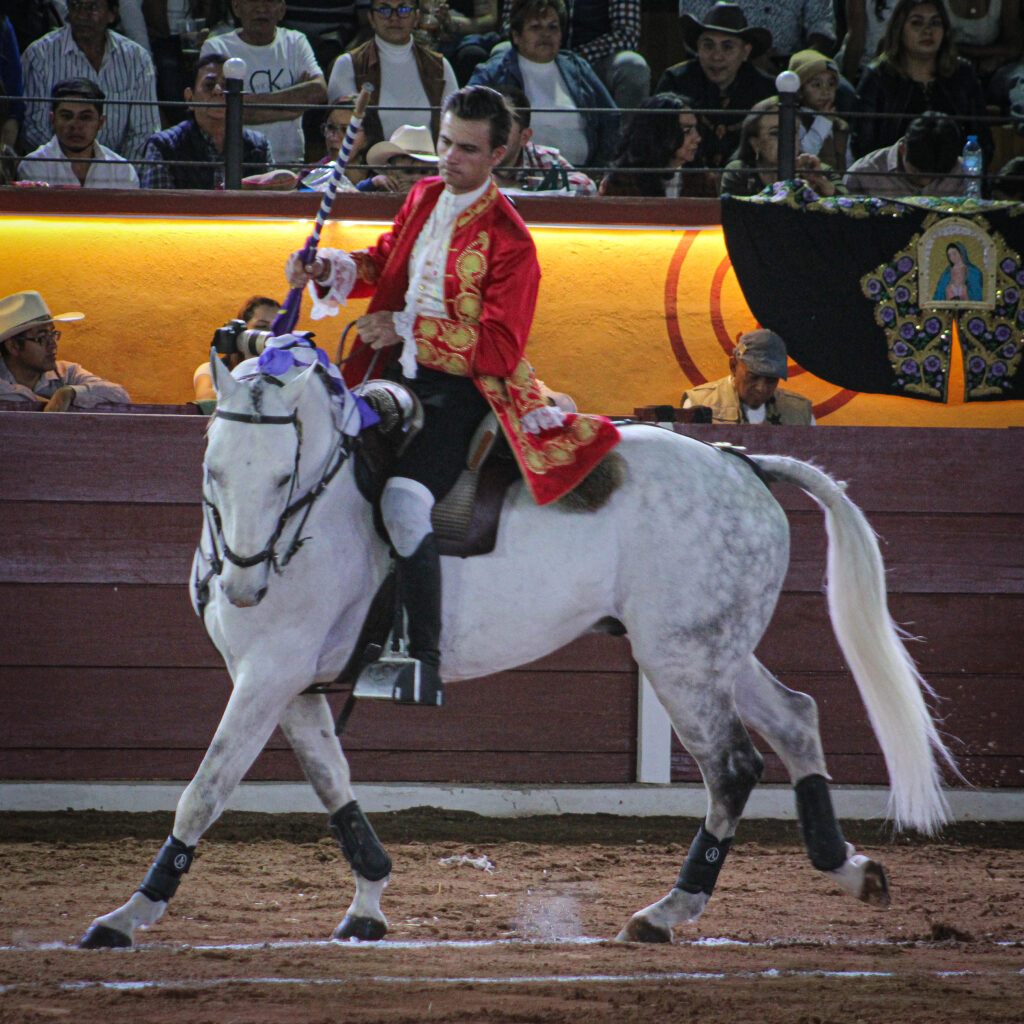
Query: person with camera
[
  {"x": 29, "y": 368},
  {"x": 454, "y": 287},
  {"x": 258, "y": 314}
]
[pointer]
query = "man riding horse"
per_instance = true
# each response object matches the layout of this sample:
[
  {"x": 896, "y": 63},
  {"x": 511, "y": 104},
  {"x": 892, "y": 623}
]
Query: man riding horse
[{"x": 454, "y": 287}]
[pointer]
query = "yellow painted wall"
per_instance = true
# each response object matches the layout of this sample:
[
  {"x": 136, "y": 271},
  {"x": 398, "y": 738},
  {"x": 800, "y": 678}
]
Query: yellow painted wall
[{"x": 622, "y": 310}]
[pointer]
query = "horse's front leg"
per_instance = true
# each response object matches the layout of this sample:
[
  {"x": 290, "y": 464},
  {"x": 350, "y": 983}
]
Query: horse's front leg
[
  {"x": 251, "y": 714},
  {"x": 308, "y": 726}
]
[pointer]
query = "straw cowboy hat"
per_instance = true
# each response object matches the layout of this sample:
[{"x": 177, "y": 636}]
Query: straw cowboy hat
[
  {"x": 23, "y": 310},
  {"x": 730, "y": 19},
  {"x": 409, "y": 140}
]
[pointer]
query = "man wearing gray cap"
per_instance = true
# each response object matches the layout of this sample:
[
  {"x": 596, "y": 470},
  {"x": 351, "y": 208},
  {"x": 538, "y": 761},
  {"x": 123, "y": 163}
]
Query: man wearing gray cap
[
  {"x": 751, "y": 392},
  {"x": 29, "y": 368}
]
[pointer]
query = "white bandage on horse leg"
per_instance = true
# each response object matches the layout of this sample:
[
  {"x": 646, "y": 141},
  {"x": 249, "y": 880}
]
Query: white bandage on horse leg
[{"x": 405, "y": 507}]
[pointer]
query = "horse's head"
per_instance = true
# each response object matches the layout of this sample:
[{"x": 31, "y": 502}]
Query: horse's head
[{"x": 266, "y": 444}]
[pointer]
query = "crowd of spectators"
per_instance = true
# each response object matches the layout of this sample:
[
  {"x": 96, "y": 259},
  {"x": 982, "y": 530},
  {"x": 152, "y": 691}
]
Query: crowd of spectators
[{"x": 121, "y": 94}]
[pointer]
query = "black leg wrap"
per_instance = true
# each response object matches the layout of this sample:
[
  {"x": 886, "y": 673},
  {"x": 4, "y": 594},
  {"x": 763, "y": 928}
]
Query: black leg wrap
[
  {"x": 703, "y": 862},
  {"x": 823, "y": 837},
  {"x": 164, "y": 877},
  {"x": 359, "y": 843}
]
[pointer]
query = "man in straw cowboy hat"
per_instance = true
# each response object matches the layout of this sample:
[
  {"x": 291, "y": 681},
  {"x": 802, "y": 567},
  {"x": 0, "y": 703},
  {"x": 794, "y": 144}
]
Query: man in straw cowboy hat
[
  {"x": 721, "y": 76},
  {"x": 407, "y": 156},
  {"x": 29, "y": 368}
]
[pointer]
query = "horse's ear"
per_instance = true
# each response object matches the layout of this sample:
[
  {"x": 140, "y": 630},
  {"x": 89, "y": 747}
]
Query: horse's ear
[
  {"x": 223, "y": 383},
  {"x": 292, "y": 391}
]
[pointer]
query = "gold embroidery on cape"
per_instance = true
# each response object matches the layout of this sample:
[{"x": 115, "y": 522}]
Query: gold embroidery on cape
[{"x": 539, "y": 455}]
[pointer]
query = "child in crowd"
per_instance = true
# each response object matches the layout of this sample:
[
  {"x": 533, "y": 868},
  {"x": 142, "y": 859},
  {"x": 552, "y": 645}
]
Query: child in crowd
[{"x": 821, "y": 132}]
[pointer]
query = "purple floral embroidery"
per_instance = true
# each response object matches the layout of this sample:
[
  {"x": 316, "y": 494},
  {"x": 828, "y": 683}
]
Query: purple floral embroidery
[
  {"x": 997, "y": 370},
  {"x": 976, "y": 326},
  {"x": 1010, "y": 296},
  {"x": 1020, "y": 277},
  {"x": 976, "y": 364},
  {"x": 932, "y": 364},
  {"x": 874, "y": 285},
  {"x": 889, "y": 275},
  {"x": 909, "y": 367},
  {"x": 901, "y": 294},
  {"x": 904, "y": 264},
  {"x": 933, "y": 325},
  {"x": 888, "y": 314},
  {"x": 907, "y": 331},
  {"x": 901, "y": 349},
  {"x": 1008, "y": 351},
  {"x": 1002, "y": 333},
  {"x": 1008, "y": 266}
]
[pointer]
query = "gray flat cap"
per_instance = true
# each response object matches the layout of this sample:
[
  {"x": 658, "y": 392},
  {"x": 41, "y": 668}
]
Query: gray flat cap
[{"x": 763, "y": 352}]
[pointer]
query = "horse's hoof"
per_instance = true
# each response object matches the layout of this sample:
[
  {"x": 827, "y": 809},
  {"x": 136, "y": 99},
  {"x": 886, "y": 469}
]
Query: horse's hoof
[
  {"x": 874, "y": 889},
  {"x": 365, "y": 929},
  {"x": 639, "y": 929},
  {"x": 102, "y": 936}
]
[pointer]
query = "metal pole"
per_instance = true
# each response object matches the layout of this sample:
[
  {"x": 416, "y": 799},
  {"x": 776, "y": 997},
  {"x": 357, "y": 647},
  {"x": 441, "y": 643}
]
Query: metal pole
[
  {"x": 787, "y": 84},
  {"x": 233, "y": 76}
]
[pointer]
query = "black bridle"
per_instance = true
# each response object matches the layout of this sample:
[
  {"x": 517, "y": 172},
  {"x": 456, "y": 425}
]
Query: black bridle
[{"x": 301, "y": 506}]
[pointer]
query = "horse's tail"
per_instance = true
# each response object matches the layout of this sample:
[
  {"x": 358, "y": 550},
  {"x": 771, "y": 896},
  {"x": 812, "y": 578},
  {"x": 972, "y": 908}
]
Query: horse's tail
[{"x": 890, "y": 685}]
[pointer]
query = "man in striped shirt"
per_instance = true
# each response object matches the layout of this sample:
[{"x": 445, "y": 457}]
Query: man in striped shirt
[{"x": 87, "y": 48}]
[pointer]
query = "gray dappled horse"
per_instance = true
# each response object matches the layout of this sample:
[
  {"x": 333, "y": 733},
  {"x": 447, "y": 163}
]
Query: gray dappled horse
[{"x": 688, "y": 554}]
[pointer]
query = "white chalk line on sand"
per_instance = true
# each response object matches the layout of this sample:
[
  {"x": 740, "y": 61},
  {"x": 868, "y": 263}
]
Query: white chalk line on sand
[
  {"x": 523, "y": 979},
  {"x": 790, "y": 942}
]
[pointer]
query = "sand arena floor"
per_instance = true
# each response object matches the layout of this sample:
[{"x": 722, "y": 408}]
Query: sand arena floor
[{"x": 507, "y": 921}]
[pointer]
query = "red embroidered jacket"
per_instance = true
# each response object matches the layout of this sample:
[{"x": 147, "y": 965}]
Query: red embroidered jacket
[{"x": 491, "y": 283}]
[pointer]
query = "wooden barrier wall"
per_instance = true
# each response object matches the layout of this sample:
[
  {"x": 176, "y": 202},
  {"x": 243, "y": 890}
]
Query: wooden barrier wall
[{"x": 105, "y": 673}]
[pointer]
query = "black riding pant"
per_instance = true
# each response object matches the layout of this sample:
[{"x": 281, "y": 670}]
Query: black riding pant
[{"x": 452, "y": 410}]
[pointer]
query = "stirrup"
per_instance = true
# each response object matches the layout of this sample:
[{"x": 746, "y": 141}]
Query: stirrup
[{"x": 399, "y": 677}]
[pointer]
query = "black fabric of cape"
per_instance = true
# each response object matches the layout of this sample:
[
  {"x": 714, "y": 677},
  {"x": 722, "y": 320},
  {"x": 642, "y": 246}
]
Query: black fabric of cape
[{"x": 807, "y": 268}]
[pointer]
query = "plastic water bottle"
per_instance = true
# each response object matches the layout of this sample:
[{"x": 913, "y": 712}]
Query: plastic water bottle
[{"x": 972, "y": 167}]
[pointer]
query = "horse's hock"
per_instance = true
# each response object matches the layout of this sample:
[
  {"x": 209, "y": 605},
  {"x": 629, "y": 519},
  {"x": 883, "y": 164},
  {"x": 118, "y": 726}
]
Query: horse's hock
[{"x": 103, "y": 515}]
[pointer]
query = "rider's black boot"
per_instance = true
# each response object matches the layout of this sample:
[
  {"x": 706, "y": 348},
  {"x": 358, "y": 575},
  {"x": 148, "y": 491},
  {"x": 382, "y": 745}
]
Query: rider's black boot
[{"x": 419, "y": 590}]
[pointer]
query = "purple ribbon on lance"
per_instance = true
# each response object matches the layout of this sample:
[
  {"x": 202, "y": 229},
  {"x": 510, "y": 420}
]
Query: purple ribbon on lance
[
  {"x": 279, "y": 356},
  {"x": 288, "y": 317}
]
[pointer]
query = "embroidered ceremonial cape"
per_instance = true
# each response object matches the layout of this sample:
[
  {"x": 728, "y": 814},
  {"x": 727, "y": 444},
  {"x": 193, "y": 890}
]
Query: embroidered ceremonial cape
[{"x": 490, "y": 292}]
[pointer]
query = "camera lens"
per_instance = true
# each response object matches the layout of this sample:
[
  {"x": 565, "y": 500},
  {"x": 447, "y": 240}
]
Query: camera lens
[{"x": 252, "y": 343}]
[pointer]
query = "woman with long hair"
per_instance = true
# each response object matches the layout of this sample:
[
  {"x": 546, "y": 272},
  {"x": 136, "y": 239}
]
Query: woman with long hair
[
  {"x": 656, "y": 142},
  {"x": 755, "y": 163},
  {"x": 917, "y": 70}
]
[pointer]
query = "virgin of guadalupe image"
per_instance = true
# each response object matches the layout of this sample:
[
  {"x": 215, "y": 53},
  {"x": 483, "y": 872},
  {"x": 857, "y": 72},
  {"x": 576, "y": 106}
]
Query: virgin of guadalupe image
[{"x": 961, "y": 281}]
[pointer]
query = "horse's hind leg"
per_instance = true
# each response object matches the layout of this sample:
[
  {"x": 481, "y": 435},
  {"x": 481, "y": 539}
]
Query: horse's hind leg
[
  {"x": 708, "y": 726},
  {"x": 251, "y": 714},
  {"x": 308, "y": 726},
  {"x": 788, "y": 720}
]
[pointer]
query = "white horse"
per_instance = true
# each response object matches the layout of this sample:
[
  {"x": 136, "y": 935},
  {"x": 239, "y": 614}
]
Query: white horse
[{"x": 689, "y": 555}]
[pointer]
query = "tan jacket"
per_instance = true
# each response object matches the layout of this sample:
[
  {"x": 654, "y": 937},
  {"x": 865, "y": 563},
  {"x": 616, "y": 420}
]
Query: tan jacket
[{"x": 784, "y": 407}]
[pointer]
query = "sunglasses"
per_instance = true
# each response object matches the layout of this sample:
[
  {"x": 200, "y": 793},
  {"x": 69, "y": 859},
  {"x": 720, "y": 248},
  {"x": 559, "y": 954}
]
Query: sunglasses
[
  {"x": 50, "y": 337},
  {"x": 391, "y": 12}
]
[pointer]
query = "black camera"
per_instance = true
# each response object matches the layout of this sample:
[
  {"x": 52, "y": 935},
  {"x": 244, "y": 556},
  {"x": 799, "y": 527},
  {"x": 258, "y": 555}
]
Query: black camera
[{"x": 234, "y": 336}]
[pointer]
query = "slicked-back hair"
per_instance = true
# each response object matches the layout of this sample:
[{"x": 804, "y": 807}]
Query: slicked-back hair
[
  {"x": 79, "y": 90},
  {"x": 522, "y": 11},
  {"x": 482, "y": 103}
]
